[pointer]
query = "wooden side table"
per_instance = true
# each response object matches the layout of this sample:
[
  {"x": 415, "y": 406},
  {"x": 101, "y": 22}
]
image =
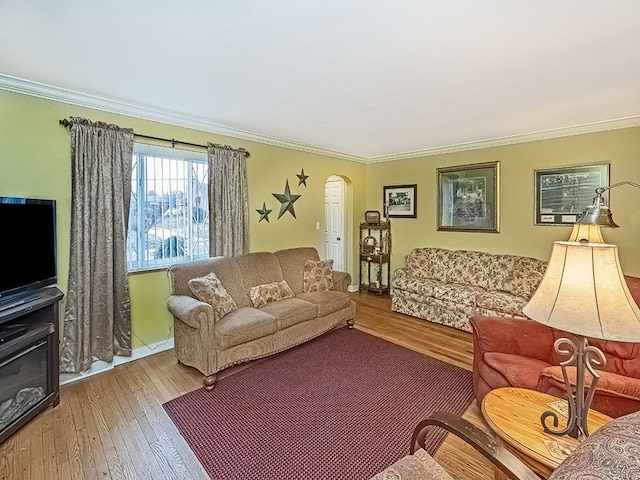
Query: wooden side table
[{"x": 514, "y": 414}]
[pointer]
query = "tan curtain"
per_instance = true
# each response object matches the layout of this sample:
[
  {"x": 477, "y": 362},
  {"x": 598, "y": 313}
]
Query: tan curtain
[
  {"x": 228, "y": 201},
  {"x": 97, "y": 320}
]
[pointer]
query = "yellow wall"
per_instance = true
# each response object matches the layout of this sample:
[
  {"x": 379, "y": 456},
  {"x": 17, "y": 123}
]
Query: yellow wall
[
  {"x": 35, "y": 161},
  {"x": 518, "y": 234}
]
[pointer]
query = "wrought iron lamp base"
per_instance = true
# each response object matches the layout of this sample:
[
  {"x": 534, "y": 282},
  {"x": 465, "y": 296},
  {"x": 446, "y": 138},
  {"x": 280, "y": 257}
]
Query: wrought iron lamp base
[{"x": 585, "y": 357}]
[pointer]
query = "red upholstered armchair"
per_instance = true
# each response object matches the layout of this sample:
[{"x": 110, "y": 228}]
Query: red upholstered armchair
[{"x": 519, "y": 353}]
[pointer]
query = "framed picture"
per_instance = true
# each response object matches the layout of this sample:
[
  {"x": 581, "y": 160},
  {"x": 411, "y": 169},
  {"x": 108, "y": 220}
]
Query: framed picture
[
  {"x": 372, "y": 217},
  {"x": 468, "y": 198},
  {"x": 400, "y": 200},
  {"x": 562, "y": 194}
]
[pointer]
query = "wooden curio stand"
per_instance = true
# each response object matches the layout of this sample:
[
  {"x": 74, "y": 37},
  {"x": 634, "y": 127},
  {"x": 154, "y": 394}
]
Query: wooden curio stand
[{"x": 377, "y": 256}]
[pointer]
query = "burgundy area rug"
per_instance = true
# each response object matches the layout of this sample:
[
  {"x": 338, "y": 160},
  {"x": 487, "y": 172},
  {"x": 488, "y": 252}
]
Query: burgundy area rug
[{"x": 342, "y": 406}]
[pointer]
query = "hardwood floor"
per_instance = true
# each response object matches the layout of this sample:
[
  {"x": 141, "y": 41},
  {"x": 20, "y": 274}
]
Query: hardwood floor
[
  {"x": 112, "y": 425},
  {"x": 374, "y": 316}
]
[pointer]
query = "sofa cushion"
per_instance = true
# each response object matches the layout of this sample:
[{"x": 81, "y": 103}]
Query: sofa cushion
[
  {"x": 422, "y": 286},
  {"x": 244, "y": 325},
  {"x": 622, "y": 357},
  {"x": 431, "y": 263},
  {"x": 271, "y": 292},
  {"x": 225, "y": 269},
  {"x": 610, "y": 383},
  {"x": 471, "y": 268},
  {"x": 408, "y": 298},
  {"x": 317, "y": 276},
  {"x": 419, "y": 466},
  {"x": 290, "y": 311},
  {"x": 327, "y": 302},
  {"x": 292, "y": 264},
  {"x": 500, "y": 271},
  {"x": 433, "y": 309},
  {"x": 501, "y": 302},
  {"x": 210, "y": 290},
  {"x": 258, "y": 268},
  {"x": 518, "y": 370},
  {"x": 461, "y": 294},
  {"x": 525, "y": 277}
]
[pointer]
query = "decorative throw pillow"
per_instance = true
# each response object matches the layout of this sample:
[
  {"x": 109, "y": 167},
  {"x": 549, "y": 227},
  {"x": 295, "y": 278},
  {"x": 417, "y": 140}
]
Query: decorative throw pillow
[
  {"x": 317, "y": 276},
  {"x": 209, "y": 289},
  {"x": 270, "y": 292}
]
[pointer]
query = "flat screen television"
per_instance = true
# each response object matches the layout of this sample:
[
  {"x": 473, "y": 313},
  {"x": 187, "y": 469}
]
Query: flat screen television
[{"x": 28, "y": 238}]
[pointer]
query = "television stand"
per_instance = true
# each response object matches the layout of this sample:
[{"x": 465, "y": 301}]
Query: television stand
[
  {"x": 28, "y": 297},
  {"x": 29, "y": 359},
  {"x": 11, "y": 304},
  {"x": 9, "y": 332}
]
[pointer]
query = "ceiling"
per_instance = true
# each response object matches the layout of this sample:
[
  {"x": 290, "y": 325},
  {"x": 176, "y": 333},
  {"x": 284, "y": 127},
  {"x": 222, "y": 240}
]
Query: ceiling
[{"x": 370, "y": 80}]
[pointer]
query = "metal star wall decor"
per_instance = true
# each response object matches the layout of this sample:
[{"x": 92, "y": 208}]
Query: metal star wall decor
[
  {"x": 287, "y": 200},
  {"x": 264, "y": 212},
  {"x": 302, "y": 178}
]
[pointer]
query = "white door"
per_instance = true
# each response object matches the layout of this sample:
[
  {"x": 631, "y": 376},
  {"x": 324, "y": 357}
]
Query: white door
[{"x": 334, "y": 240}]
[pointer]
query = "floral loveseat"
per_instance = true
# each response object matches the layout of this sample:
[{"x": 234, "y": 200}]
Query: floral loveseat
[
  {"x": 449, "y": 286},
  {"x": 229, "y": 310}
]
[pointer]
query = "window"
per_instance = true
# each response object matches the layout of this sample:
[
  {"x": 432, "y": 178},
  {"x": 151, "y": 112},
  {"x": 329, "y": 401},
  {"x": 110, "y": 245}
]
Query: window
[{"x": 168, "y": 220}]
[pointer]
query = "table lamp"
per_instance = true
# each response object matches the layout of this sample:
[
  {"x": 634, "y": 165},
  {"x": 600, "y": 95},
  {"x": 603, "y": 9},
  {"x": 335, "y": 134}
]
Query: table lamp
[
  {"x": 586, "y": 233},
  {"x": 598, "y": 213},
  {"x": 583, "y": 292}
]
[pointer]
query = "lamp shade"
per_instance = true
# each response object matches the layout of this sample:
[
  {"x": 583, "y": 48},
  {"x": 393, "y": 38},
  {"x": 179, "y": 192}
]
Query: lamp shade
[
  {"x": 584, "y": 292},
  {"x": 588, "y": 233}
]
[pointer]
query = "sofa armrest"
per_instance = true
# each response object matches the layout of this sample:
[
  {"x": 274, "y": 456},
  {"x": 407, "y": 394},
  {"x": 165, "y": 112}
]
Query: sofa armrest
[
  {"x": 188, "y": 309},
  {"x": 341, "y": 281},
  {"x": 512, "y": 335},
  {"x": 400, "y": 272}
]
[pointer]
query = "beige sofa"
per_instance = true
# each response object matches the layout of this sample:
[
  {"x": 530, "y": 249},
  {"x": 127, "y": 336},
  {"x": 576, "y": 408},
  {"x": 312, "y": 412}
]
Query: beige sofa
[
  {"x": 211, "y": 338},
  {"x": 450, "y": 286}
]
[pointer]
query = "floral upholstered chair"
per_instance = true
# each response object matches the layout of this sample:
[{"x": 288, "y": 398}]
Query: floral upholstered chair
[{"x": 612, "y": 452}]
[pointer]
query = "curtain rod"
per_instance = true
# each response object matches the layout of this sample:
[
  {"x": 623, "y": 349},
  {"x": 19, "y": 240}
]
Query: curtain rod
[{"x": 66, "y": 123}]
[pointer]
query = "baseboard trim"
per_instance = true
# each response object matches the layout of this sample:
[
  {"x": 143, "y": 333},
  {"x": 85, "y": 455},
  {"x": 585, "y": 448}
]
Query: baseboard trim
[{"x": 100, "y": 367}]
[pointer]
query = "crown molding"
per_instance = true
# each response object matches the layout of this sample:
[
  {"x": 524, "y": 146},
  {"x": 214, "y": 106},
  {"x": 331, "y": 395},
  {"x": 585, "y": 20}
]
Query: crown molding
[
  {"x": 40, "y": 90},
  {"x": 594, "y": 127},
  {"x": 48, "y": 92}
]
